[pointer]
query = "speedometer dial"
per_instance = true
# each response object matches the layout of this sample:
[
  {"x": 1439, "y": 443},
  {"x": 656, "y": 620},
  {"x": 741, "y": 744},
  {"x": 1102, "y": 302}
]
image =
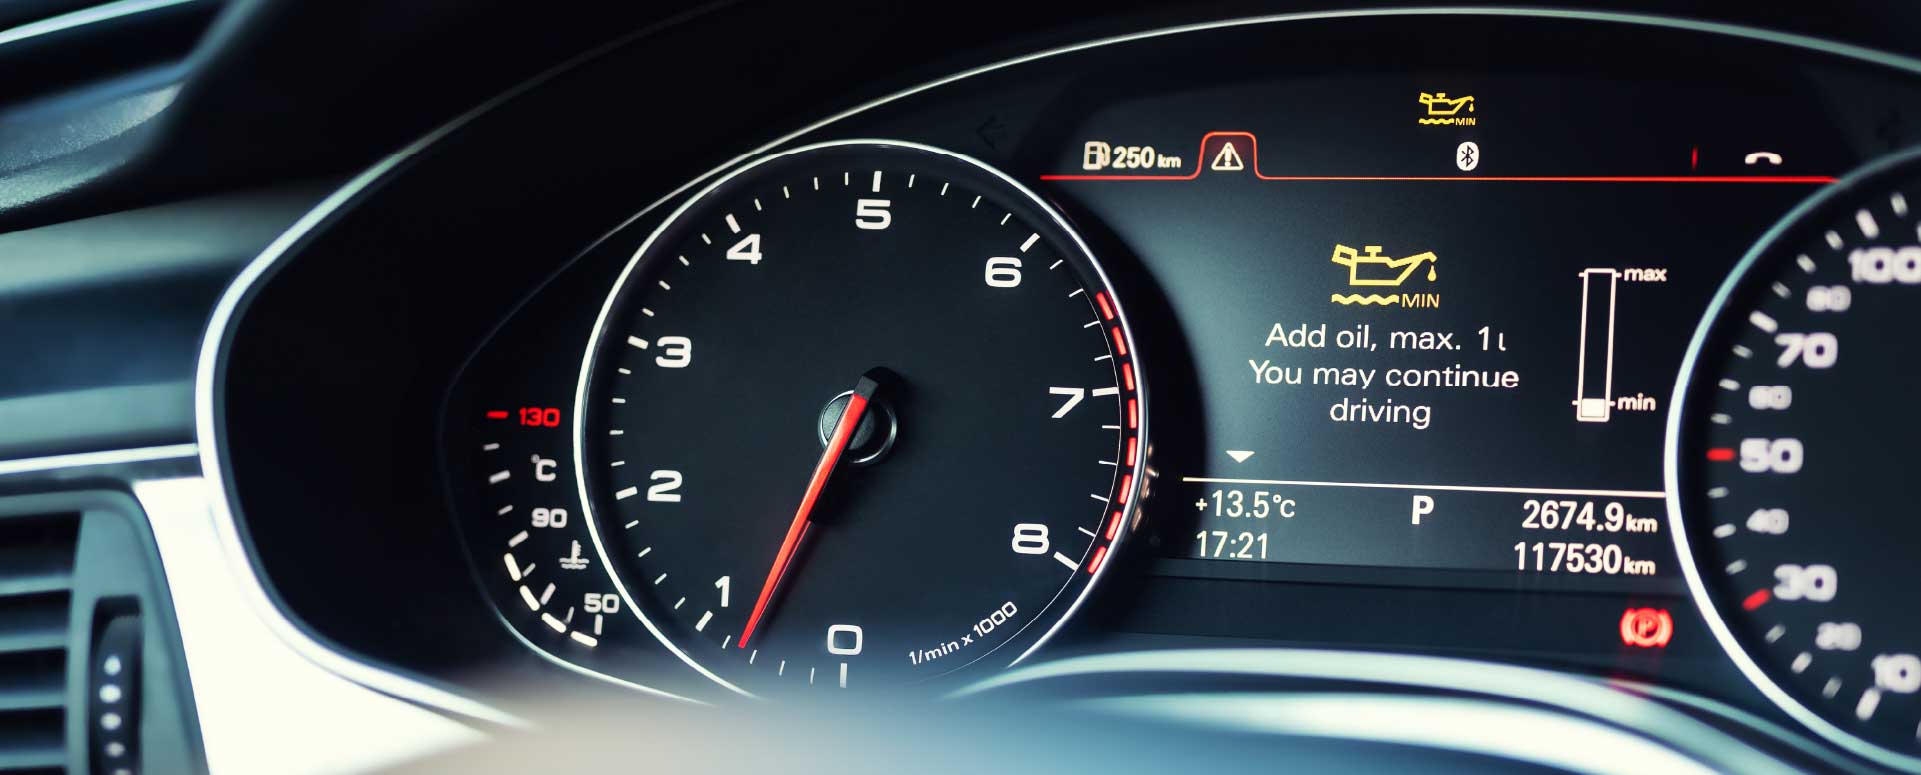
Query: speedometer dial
[
  {"x": 1791, "y": 464},
  {"x": 858, "y": 415}
]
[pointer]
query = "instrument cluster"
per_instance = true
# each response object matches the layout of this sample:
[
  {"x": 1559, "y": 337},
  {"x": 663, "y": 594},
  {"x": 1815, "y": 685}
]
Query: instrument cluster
[{"x": 1563, "y": 341}]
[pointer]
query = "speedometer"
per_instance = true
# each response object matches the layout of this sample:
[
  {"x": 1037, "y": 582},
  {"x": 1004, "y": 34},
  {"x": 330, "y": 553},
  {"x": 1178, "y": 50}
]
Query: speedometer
[
  {"x": 858, "y": 415},
  {"x": 1791, "y": 468}
]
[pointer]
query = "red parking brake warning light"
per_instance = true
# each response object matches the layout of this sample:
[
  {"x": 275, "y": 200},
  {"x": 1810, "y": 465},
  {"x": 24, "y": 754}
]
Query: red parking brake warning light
[{"x": 1648, "y": 628}]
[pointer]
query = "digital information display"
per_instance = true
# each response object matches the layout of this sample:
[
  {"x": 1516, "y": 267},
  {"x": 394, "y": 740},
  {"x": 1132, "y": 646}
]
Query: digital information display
[{"x": 1455, "y": 353}]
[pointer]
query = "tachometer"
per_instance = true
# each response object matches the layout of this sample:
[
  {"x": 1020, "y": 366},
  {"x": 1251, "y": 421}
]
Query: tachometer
[
  {"x": 858, "y": 415},
  {"x": 1789, "y": 467}
]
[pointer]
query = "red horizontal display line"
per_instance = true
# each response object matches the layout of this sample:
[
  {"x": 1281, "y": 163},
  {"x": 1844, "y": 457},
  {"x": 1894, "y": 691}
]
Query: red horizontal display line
[
  {"x": 1721, "y": 454},
  {"x": 1254, "y": 163},
  {"x": 1811, "y": 179},
  {"x": 497, "y": 414}
]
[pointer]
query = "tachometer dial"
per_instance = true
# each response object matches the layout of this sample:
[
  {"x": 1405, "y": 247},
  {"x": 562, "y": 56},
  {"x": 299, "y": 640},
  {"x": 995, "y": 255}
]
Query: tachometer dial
[
  {"x": 1790, "y": 470},
  {"x": 858, "y": 415}
]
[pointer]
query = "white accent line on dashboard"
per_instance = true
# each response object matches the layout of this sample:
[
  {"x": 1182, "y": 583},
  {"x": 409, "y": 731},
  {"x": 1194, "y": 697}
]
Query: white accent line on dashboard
[
  {"x": 106, "y": 458},
  {"x": 1445, "y": 487},
  {"x": 85, "y": 16}
]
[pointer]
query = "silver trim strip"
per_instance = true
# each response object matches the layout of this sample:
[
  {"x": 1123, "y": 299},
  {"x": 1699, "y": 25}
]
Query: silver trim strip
[
  {"x": 84, "y": 17},
  {"x": 102, "y": 458},
  {"x": 243, "y": 285},
  {"x": 263, "y": 707},
  {"x": 238, "y": 559}
]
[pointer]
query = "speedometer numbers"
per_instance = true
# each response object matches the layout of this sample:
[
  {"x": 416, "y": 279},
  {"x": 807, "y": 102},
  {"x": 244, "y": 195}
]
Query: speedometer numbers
[
  {"x": 858, "y": 415},
  {"x": 1792, "y": 464}
]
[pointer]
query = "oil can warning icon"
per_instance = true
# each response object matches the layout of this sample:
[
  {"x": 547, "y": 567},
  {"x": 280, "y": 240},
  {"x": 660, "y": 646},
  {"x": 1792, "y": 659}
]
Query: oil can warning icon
[{"x": 1228, "y": 160}]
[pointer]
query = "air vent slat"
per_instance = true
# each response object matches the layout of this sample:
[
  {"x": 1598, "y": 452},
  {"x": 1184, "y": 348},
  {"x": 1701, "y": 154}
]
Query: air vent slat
[
  {"x": 33, "y": 622},
  {"x": 32, "y": 739},
  {"x": 36, "y": 567},
  {"x": 33, "y": 679},
  {"x": 28, "y": 583},
  {"x": 30, "y": 699}
]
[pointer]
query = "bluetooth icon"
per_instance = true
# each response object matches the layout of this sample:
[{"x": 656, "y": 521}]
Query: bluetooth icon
[{"x": 1467, "y": 156}]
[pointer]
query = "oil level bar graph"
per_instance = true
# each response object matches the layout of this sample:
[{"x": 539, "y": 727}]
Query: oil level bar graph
[{"x": 1596, "y": 360}]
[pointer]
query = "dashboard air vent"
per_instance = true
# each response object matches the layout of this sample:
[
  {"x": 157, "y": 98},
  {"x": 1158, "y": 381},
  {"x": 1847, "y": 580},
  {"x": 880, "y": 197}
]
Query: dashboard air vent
[{"x": 36, "y": 581}]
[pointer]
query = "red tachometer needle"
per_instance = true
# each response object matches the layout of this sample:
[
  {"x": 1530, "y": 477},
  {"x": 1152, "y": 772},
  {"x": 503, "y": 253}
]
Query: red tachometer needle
[{"x": 843, "y": 432}]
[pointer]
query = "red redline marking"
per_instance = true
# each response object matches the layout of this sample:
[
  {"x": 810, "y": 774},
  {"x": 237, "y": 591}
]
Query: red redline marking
[
  {"x": 1127, "y": 486},
  {"x": 1120, "y": 344},
  {"x": 497, "y": 414},
  {"x": 1100, "y": 553},
  {"x": 1107, "y": 311},
  {"x": 1133, "y": 414},
  {"x": 1757, "y": 599},
  {"x": 1127, "y": 376},
  {"x": 1721, "y": 454},
  {"x": 1114, "y": 526},
  {"x": 1133, "y": 449},
  {"x": 1254, "y": 159}
]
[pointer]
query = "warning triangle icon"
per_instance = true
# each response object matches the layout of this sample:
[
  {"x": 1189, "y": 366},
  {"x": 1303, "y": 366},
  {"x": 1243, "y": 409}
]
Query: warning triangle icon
[{"x": 1228, "y": 160}]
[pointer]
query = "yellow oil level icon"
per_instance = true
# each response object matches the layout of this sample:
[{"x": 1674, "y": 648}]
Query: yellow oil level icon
[{"x": 1367, "y": 268}]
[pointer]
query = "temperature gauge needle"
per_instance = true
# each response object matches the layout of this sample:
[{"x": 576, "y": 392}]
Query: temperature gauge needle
[{"x": 850, "y": 418}]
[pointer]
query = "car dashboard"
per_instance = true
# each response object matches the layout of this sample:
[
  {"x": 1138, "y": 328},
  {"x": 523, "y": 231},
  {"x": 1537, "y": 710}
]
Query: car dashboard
[{"x": 1438, "y": 388}]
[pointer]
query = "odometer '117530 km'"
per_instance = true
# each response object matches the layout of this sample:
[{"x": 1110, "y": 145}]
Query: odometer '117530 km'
[
  {"x": 858, "y": 415},
  {"x": 1792, "y": 464}
]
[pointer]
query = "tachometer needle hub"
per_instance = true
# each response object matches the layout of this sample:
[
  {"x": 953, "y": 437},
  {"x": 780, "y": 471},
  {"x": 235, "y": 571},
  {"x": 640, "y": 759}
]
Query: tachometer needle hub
[{"x": 850, "y": 418}]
